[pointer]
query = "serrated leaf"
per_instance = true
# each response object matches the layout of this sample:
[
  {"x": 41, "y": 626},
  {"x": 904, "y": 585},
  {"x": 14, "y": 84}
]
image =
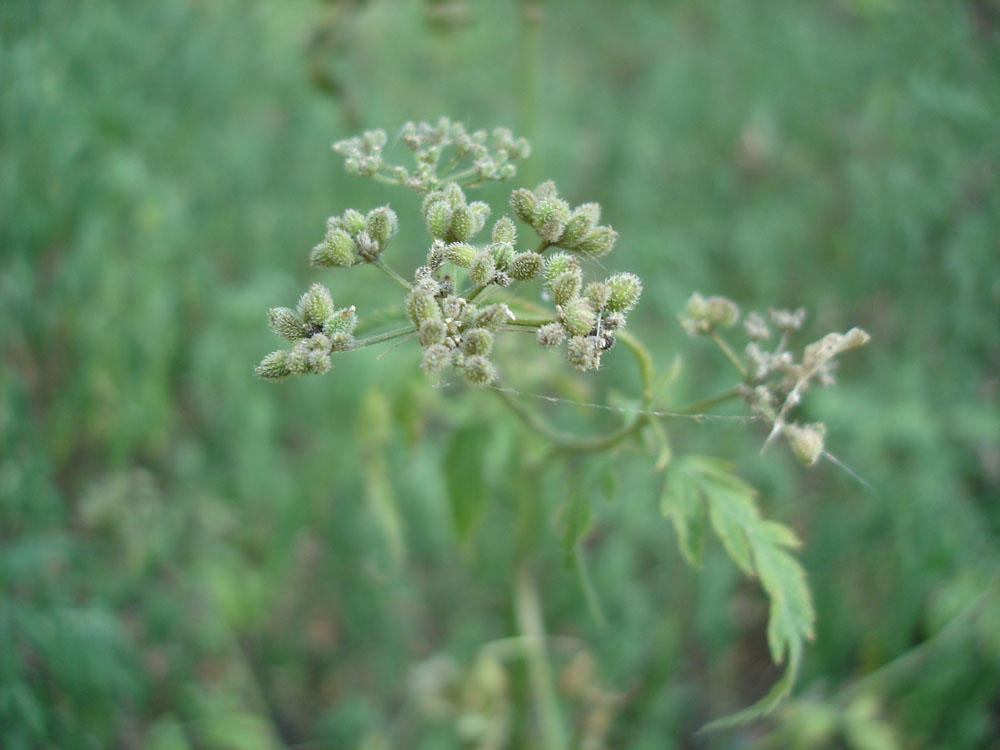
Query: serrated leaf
[
  {"x": 759, "y": 547},
  {"x": 683, "y": 505},
  {"x": 465, "y": 480}
]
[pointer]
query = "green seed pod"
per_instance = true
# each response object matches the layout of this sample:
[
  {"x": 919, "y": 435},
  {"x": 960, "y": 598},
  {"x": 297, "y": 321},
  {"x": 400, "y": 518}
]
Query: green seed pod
[
  {"x": 453, "y": 193},
  {"x": 319, "y": 362},
  {"x": 381, "y": 224},
  {"x": 429, "y": 200},
  {"x": 337, "y": 249},
  {"x": 421, "y": 307},
  {"x": 477, "y": 341},
  {"x": 432, "y": 331},
  {"x": 505, "y": 231},
  {"x": 438, "y": 219},
  {"x": 315, "y": 306},
  {"x": 286, "y": 323},
  {"x": 274, "y": 366},
  {"x": 526, "y": 266},
  {"x": 579, "y": 224},
  {"x": 482, "y": 269},
  {"x": 557, "y": 264},
  {"x": 462, "y": 224},
  {"x": 427, "y": 286},
  {"x": 344, "y": 320},
  {"x": 368, "y": 248},
  {"x": 503, "y": 254},
  {"x": 478, "y": 370},
  {"x": 502, "y": 279},
  {"x": 546, "y": 191},
  {"x": 597, "y": 294},
  {"x": 341, "y": 341},
  {"x": 460, "y": 253},
  {"x": 436, "y": 255},
  {"x": 353, "y": 221},
  {"x": 298, "y": 360},
  {"x": 625, "y": 291},
  {"x": 806, "y": 441},
  {"x": 584, "y": 352},
  {"x": 697, "y": 307},
  {"x": 452, "y": 307},
  {"x": 567, "y": 285},
  {"x": 598, "y": 242},
  {"x": 480, "y": 213},
  {"x": 721, "y": 311},
  {"x": 578, "y": 317},
  {"x": 492, "y": 317},
  {"x": 551, "y": 335},
  {"x": 318, "y": 342},
  {"x": 436, "y": 358},
  {"x": 523, "y": 202}
]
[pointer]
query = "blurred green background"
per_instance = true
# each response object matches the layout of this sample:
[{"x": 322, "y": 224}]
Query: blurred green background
[{"x": 194, "y": 558}]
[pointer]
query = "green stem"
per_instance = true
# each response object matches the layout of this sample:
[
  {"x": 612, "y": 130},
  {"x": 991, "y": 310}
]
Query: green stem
[
  {"x": 382, "y": 338},
  {"x": 530, "y": 322},
  {"x": 729, "y": 353},
  {"x": 382, "y": 266},
  {"x": 476, "y": 291},
  {"x": 528, "y": 613},
  {"x": 699, "y": 406}
]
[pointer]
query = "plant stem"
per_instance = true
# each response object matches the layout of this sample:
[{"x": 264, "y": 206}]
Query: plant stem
[
  {"x": 528, "y": 613},
  {"x": 699, "y": 406},
  {"x": 729, "y": 353},
  {"x": 384, "y": 267},
  {"x": 380, "y": 338}
]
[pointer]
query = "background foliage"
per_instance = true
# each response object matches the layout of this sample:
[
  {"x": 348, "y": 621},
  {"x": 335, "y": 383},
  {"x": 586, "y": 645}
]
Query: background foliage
[{"x": 193, "y": 558}]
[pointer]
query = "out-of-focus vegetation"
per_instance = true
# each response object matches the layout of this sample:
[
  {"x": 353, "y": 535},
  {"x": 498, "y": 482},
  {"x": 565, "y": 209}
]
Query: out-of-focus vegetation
[{"x": 194, "y": 558}]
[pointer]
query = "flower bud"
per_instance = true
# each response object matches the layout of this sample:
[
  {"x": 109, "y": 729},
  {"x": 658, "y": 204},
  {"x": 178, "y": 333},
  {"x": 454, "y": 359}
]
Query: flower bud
[
  {"x": 432, "y": 331},
  {"x": 556, "y": 264},
  {"x": 522, "y": 202},
  {"x": 337, "y": 249},
  {"x": 477, "y": 341},
  {"x": 597, "y": 294},
  {"x": 286, "y": 323},
  {"x": 298, "y": 360},
  {"x": 625, "y": 291},
  {"x": 421, "y": 307},
  {"x": 381, "y": 224},
  {"x": 478, "y": 370},
  {"x": 806, "y": 441},
  {"x": 584, "y": 353},
  {"x": 315, "y": 306},
  {"x": 526, "y": 266},
  {"x": 492, "y": 317},
  {"x": 578, "y": 317},
  {"x": 438, "y": 219},
  {"x": 579, "y": 224},
  {"x": 353, "y": 221},
  {"x": 551, "y": 335},
  {"x": 567, "y": 285},
  {"x": 460, "y": 253},
  {"x": 274, "y": 366},
  {"x": 598, "y": 242},
  {"x": 344, "y": 320},
  {"x": 614, "y": 320},
  {"x": 436, "y": 358},
  {"x": 482, "y": 269},
  {"x": 462, "y": 224},
  {"x": 505, "y": 231}
]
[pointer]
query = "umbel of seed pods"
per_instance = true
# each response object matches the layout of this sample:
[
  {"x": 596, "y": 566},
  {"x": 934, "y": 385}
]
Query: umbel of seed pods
[
  {"x": 776, "y": 378},
  {"x": 452, "y": 328}
]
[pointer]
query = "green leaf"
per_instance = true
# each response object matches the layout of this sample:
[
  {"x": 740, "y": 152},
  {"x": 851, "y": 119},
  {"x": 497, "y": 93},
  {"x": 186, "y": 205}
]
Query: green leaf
[
  {"x": 683, "y": 505},
  {"x": 576, "y": 520},
  {"x": 697, "y": 486},
  {"x": 465, "y": 480}
]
